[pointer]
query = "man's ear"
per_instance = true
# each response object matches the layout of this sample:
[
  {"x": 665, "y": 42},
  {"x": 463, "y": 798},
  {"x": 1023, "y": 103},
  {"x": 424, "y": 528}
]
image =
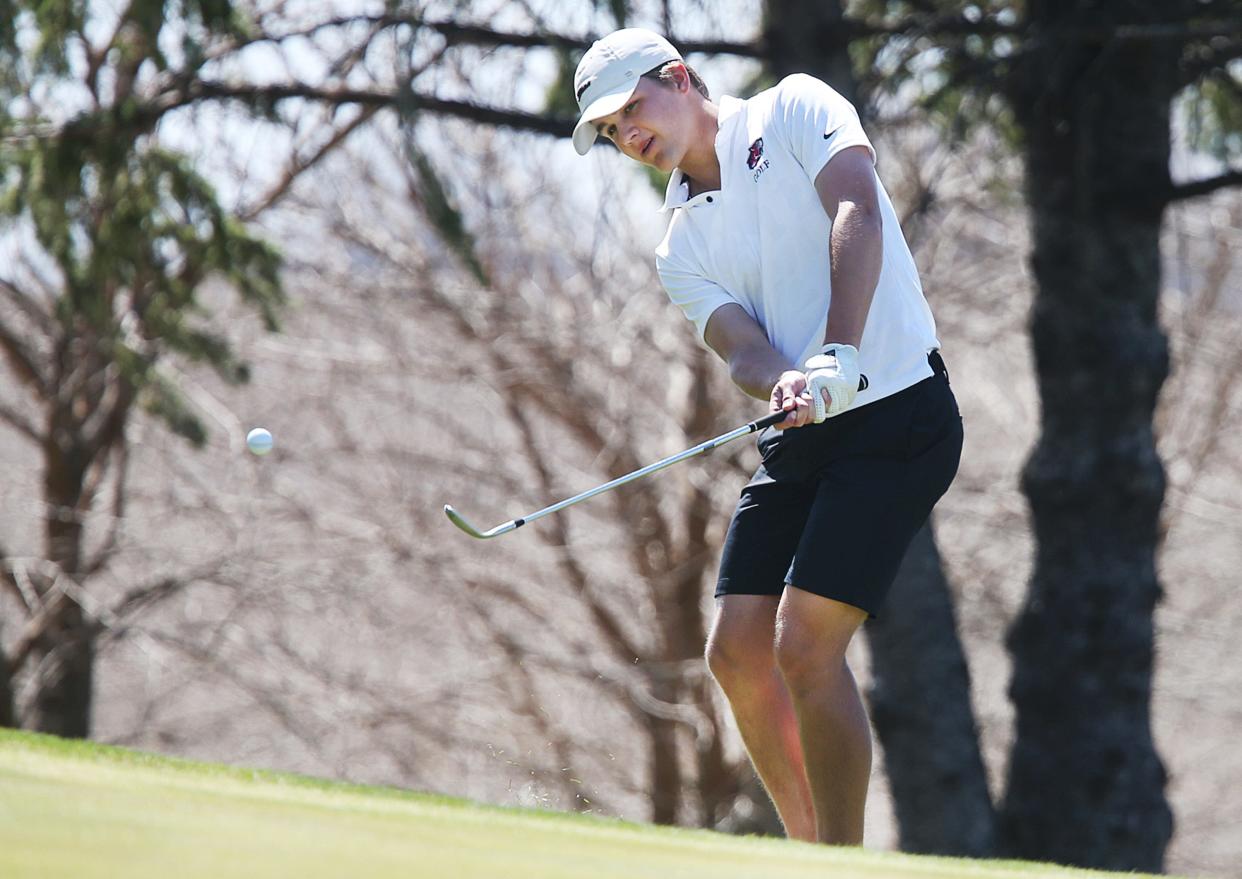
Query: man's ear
[{"x": 681, "y": 76}]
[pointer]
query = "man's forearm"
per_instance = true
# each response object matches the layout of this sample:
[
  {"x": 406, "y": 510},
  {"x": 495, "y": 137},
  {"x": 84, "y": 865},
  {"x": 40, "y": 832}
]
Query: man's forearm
[
  {"x": 857, "y": 252},
  {"x": 757, "y": 369}
]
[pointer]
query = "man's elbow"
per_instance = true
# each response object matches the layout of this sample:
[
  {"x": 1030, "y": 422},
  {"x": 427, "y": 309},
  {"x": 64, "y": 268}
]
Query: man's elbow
[
  {"x": 751, "y": 369},
  {"x": 862, "y": 216}
]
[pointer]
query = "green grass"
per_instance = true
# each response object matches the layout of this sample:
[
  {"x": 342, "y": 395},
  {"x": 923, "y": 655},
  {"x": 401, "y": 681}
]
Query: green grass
[{"x": 77, "y": 809}]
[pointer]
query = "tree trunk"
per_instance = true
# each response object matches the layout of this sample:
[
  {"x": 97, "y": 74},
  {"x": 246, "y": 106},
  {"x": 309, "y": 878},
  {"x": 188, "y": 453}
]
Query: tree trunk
[
  {"x": 64, "y": 664},
  {"x": 8, "y": 716},
  {"x": 667, "y": 782},
  {"x": 719, "y": 779},
  {"x": 1086, "y": 785},
  {"x": 63, "y": 659},
  {"x": 920, "y": 705},
  {"x": 806, "y": 36}
]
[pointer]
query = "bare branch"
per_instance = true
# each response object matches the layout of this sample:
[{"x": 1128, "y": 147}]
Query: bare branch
[
  {"x": 22, "y": 361},
  {"x": 298, "y": 165},
  {"x": 19, "y": 423},
  {"x": 610, "y": 626},
  {"x": 1197, "y": 188},
  {"x": 16, "y": 581},
  {"x": 930, "y": 25},
  {"x": 24, "y": 304},
  {"x": 35, "y": 629},
  {"x": 108, "y": 425},
  {"x": 458, "y": 34},
  {"x": 1172, "y": 32},
  {"x": 65, "y": 592},
  {"x": 522, "y": 689},
  {"x": 144, "y": 597},
  {"x": 409, "y": 102},
  {"x": 110, "y": 544},
  {"x": 291, "y": 720}
]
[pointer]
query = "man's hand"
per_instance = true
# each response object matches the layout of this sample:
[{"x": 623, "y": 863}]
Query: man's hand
[
  {"x": 832, "y": 380},
  {"x": 789, "y": 393}
]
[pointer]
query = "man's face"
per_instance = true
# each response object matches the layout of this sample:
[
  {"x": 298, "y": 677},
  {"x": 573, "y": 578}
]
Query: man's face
[{"x": 653, "y": 126}]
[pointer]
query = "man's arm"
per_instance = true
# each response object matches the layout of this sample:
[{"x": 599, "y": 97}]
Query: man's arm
[
  {"x": 847, "y": 190},
  {"x": 754, "y": 365}
]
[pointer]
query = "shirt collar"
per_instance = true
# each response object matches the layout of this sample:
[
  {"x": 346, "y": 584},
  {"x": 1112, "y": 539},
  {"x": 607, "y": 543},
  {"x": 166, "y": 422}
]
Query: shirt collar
[{"x": 677, "y": 193}]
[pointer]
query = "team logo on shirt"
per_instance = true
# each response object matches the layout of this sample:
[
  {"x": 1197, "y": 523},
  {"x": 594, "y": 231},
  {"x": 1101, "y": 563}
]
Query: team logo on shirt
[
  {"x": 756, "y": 153},
  {"x": 755, "y": 160}
]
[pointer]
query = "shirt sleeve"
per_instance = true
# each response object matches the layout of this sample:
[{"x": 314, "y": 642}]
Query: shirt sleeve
[
  {"x": 817, "y": 121},
  {"x": 695, "y": 295}
]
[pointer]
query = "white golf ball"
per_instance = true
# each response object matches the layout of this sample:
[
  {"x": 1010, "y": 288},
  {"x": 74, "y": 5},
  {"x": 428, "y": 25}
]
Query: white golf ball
[{"x": 259, "y": 441}]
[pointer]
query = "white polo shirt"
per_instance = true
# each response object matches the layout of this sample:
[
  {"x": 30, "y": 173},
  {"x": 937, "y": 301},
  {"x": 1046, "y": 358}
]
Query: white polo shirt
[{"x": 761, "y": 240}]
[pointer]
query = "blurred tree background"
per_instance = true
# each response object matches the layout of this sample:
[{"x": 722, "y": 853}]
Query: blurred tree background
[{"x": 469, "y": 313}]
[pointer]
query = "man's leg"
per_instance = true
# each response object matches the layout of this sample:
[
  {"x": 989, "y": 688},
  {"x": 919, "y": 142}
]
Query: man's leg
[
  {"x": 741, "y": 657},
  {"x": 812, "y": 633}
]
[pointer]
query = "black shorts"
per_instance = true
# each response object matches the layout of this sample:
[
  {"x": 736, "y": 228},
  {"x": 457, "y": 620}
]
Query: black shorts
[{"x": 834, "y": 505}]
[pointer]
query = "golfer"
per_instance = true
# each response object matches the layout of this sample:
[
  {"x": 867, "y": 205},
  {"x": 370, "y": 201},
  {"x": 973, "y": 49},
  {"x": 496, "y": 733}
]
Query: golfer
[{"x": 785, "y": 253}]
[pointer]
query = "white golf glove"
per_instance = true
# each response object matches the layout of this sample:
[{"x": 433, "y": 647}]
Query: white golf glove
[{"x": 835, "y": 370}]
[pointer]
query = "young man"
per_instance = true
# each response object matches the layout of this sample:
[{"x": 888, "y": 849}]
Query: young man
[{"x": 784, "y": 251}]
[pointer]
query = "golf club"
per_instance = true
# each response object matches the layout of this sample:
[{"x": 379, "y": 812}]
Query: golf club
[{"x": 457, "y": 519}]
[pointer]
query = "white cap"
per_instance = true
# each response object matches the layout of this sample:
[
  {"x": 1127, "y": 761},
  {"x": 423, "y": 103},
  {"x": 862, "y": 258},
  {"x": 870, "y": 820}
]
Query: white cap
[{"x": 609, "y": 72}]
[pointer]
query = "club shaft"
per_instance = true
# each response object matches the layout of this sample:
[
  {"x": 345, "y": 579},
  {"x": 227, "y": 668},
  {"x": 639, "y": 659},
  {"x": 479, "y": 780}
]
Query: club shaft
[
  {"x": 645, "y": 471},
  {"x": 707, "y": 446},
  {"x": 702, "y": 447}
]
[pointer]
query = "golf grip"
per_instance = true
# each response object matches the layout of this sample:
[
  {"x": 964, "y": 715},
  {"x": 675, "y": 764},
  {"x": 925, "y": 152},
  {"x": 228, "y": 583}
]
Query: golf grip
[
  {"x": 769, "y": 420},
  {"x": 775, "y": 417}
]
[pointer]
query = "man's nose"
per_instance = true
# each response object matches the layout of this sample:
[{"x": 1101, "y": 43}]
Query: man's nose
[{"x": 632, "y": 135}]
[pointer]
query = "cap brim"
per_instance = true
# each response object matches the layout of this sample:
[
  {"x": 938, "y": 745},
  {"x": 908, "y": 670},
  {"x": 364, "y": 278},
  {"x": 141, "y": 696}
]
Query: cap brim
[{"x": 604, "y": 105}]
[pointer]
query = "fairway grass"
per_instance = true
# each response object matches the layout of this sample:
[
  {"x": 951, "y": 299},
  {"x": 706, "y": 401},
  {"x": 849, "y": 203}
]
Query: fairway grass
[{"x": 81, "y": 810}]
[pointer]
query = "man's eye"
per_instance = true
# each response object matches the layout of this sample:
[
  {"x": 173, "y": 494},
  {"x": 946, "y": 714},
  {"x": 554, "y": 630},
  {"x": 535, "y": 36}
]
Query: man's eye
[{"x": 630, "y": 107}]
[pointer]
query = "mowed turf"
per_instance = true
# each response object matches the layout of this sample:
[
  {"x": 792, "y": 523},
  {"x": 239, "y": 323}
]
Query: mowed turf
[{"x": 76, "y": 809}]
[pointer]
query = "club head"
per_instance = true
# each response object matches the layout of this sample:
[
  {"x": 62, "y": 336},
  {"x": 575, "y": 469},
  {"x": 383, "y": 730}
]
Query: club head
[
  {"x": 460, "y": 521},
  {"x": 456, "y": 518}
]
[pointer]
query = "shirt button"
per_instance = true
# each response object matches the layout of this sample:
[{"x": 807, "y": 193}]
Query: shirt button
[{"x": 709, "y": 198}]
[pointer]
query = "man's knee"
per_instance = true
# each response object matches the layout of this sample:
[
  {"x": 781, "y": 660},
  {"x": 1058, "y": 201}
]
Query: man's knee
[
  {"x": 812, "y": 634},
  {"x": 735, "y": 658},
  {"x": 739, "y": 648},
  {"x": 802, "y": 659}
]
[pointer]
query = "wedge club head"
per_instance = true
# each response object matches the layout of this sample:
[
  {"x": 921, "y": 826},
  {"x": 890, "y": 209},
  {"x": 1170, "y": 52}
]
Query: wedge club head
[{"x": 460, "y": 521}]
